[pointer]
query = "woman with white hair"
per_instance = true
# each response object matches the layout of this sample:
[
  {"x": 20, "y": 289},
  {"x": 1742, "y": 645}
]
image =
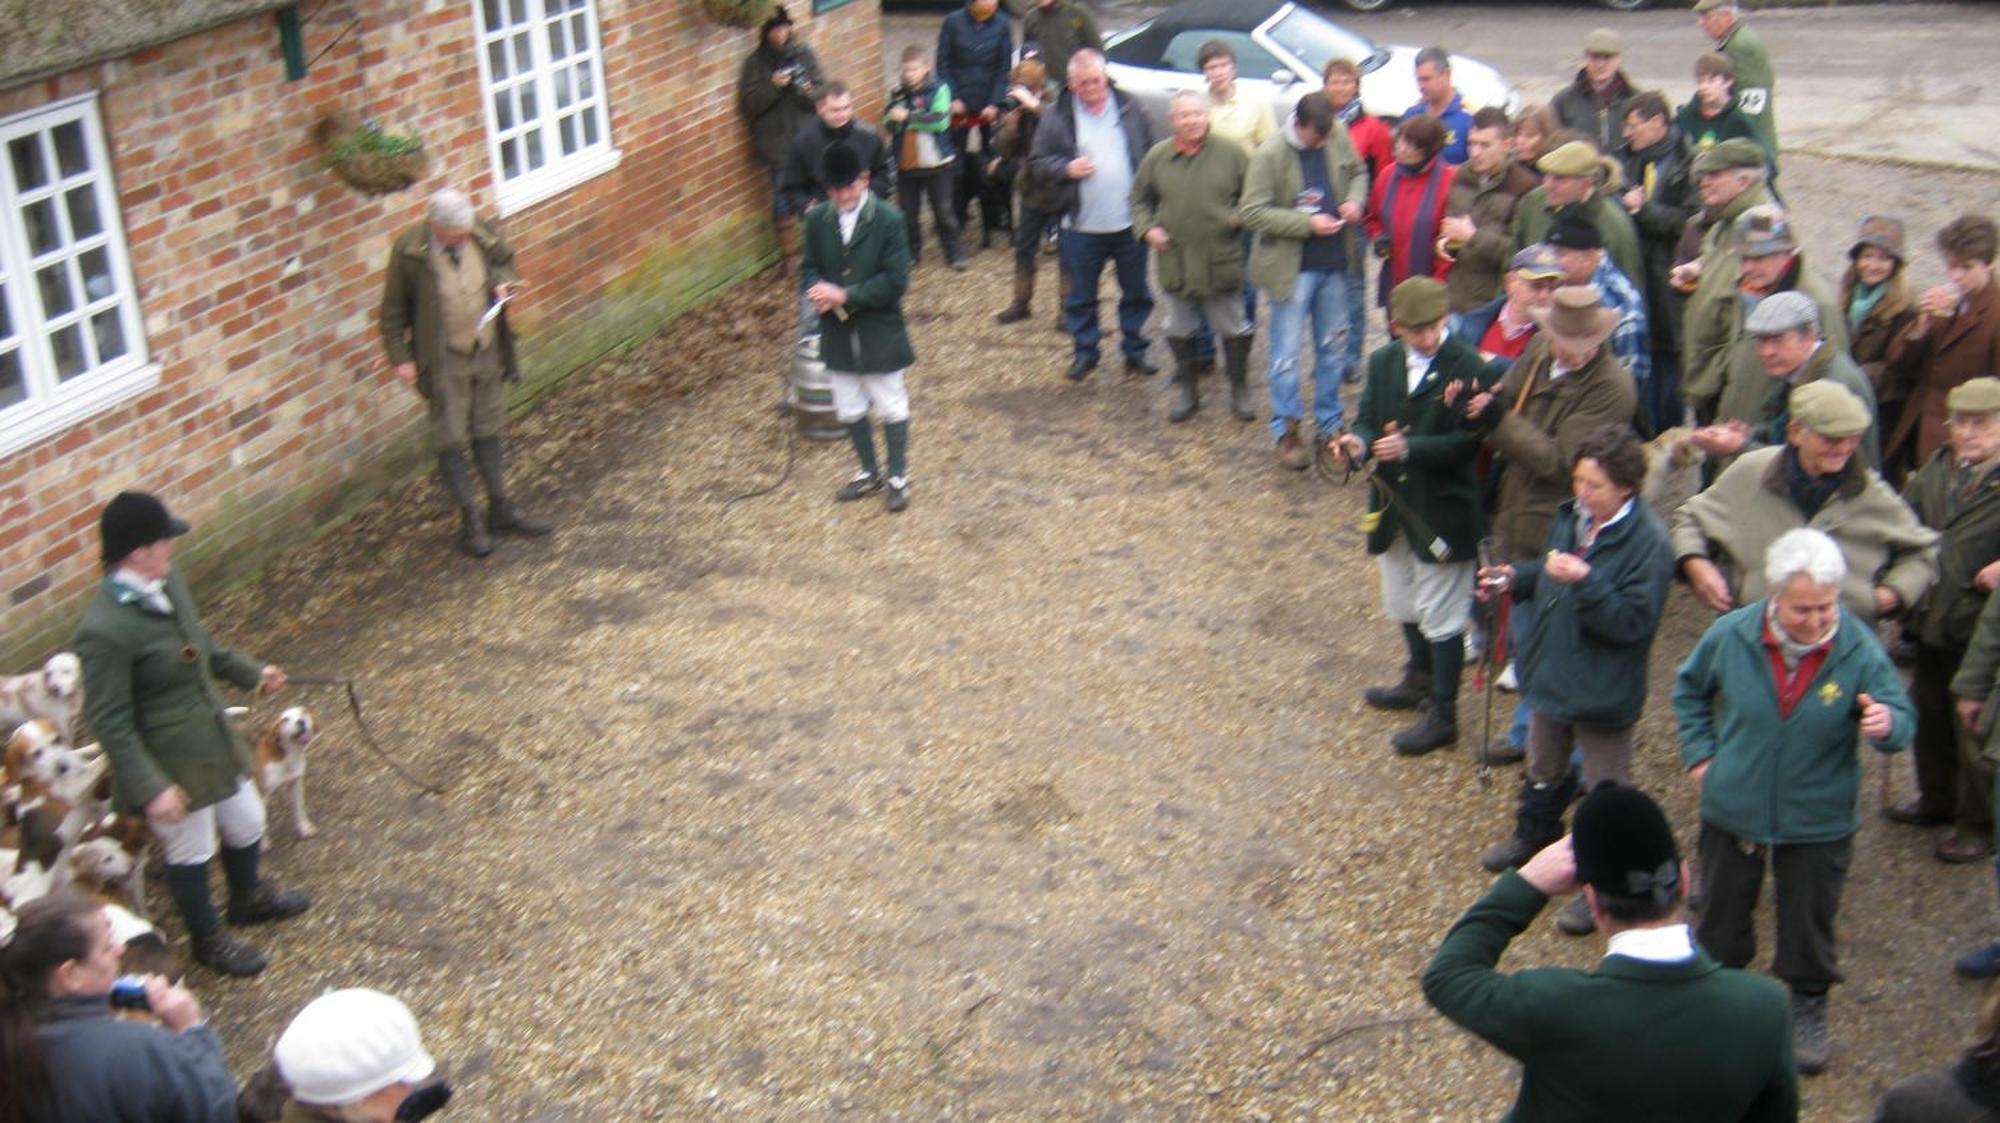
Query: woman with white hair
[{"x": 1769, "y": 705}]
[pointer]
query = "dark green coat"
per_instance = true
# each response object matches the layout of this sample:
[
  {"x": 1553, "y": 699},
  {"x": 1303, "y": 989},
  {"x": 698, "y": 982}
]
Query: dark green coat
[
  {"x": 411, "y": 318},
  {"x": 1434, "y": 484},
  {"x": 771, "y": 112},
  {"x": 1767, "y": 426},
  {"x": 149, "y": 693},
  {"x": 1630, "y": 1040},
  {"x": 1978, "y": 677},
  {"x": 1969, "y": 541},
  {"x": 1713, "y": 314},
  {"x": 1194, "y": 199},
  {"x": 1756, "y": 85},
  {"x": 875, "y": 270}
]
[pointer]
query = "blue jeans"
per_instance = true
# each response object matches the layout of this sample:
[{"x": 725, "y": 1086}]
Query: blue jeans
[
  {"x": 1660, "y": 398},
  {"x": 1084, "y": 256},
  {"x": 1324, "y": 295},
  {"x": 1357, "y": 317}
]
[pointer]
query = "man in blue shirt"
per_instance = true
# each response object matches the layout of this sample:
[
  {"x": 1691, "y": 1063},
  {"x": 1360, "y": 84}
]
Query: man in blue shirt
[{"x": 1441, "y": 101}]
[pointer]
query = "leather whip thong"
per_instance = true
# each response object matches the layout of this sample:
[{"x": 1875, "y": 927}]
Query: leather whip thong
[{"x": 367, "y": 734}]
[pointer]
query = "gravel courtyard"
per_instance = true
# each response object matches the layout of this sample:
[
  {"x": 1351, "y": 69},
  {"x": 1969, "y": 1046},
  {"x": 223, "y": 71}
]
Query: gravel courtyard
[{"x": 1051, "y": 798}]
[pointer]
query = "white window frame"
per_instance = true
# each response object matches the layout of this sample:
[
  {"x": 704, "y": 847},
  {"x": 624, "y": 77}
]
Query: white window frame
[
  {"x": 53, "y": 406},
  {"x": 560, "y": 172}
]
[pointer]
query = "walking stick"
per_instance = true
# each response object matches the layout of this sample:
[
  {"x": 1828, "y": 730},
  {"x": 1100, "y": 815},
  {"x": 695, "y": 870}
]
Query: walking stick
[{"x": 1492, "y": 672}]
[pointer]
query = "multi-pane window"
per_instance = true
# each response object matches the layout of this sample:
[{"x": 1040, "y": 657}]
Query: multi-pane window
[
  {"x": 543, "y": 76},
  {"x": 70, "y": 339}
]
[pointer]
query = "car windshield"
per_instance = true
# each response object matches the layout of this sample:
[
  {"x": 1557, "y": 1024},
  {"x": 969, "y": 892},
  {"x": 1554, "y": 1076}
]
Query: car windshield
[{"x": 1316, "y": 42}]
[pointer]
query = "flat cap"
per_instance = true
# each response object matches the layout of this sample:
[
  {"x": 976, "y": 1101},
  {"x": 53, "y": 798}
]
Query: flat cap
[
  {"x": 1763, "y": 230},
  {"x": 1418, "y": 302},
  {"x": 1603, "y": 41},
  {"x": 1830, "y": 409},
  {"x": 1974, "y": 395},
  {"x": 1537, "y": 261},
  {"x": 1711, "y": 5},
  {"x": 1782, "y": 312},
  {"x": 1575, "y": 158},
  {"x": 1736, "y": 152}
]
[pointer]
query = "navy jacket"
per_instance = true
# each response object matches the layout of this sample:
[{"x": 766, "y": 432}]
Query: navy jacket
[
  {"x": 1584, "y": 658},
  {"x": 972, "y": 57},
  {"x": 101, "y": 1068},
  {"x": 1055, "y": 141}
]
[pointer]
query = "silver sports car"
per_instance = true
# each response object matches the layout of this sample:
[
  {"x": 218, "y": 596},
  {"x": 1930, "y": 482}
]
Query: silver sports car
[{"x": 1281, "y": 49}]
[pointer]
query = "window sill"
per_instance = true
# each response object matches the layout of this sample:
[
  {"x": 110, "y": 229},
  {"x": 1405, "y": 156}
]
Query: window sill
[
  {"x": 34, "y": 425},
  {"x": 519, "y": 195}
]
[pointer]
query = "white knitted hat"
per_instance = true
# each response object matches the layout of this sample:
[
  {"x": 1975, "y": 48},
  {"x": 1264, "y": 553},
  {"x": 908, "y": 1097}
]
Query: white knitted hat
[{"x": 349, "y": 1044}]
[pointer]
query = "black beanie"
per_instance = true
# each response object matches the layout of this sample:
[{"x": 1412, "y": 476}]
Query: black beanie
[
  {"x": 1572, "y": 231},
  {"x": 1624, "y": 847},
  {"x": 839, "y": 165},
  {"x": 778, "y": 19},
  {"x": 134, "y": 519}
]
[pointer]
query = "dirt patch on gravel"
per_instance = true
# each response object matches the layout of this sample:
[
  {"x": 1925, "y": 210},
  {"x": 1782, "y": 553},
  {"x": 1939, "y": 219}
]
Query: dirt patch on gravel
[{"x": 1051, "y": 798}]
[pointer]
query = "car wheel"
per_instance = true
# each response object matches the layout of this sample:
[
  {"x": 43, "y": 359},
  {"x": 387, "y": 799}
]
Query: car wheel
[
  {"x": 1366, "y": 5},
  {"x": 1626, "y": 5}
]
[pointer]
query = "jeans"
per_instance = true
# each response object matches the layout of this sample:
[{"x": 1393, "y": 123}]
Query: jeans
[
  {"x": 1660, "y": 406},
  {"x": 911, "y": 190},
  {"x": 1084, "y": 256},
  {"x": 1357, "y": 316},
  {"x": 1324, "y": 296}
]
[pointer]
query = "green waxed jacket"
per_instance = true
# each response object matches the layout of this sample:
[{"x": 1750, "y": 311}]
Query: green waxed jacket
[
  {"x": 1622, "y": 1040},
  {"x": 1714, "y": 314},
  {"x": 1969, "y": 541},
  {"x": 411, "y": 318},
  {"x": 1978, "y": 677},
  {"x": 1756, "y": 84},
  {"x": 1194, "y": 198},
  {"x": 1437, "y": 497},
  {"x": 1273, "y": 181},
  {"x": 149, "y": 693},
  {"x": 874, "y": 268},
  {"x": 1780, "y": 780}
]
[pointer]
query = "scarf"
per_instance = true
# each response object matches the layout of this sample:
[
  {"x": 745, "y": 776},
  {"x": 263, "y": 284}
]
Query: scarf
[
  {"x": 1423, "y": 233},
  {"x": 1789, "y": 649},
  {"x": 1864, "y": 300},
  {"x": 1809, "y": 492}
]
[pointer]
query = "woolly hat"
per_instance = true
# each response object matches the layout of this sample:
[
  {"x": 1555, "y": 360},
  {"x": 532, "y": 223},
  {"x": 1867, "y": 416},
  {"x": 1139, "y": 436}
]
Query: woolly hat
[
  {"x": 134, "y": 519},
  {"x": 779, "y": 18},
  {"x": 1572, "y": 231},
  {"x": 839, "y": 165},
  {"x": 1624, "y": 846},
  {"x": 346, "y": 1045}
]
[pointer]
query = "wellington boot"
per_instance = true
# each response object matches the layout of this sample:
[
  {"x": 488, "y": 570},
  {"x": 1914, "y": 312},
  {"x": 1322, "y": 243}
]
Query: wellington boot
[
  {"x": 1024, "y": 294},
  {"x": 456, "y": 476},
  {"x": 1184, "y": 379},
  {"x": 1236, "y": 366}
]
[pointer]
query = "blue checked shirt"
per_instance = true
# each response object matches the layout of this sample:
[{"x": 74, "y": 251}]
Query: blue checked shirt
[{"x": 1629, "y": 340}]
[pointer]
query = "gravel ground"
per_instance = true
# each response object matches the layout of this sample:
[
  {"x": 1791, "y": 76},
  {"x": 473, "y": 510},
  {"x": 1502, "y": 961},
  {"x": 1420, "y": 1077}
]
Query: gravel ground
[{"x": 1051, "y": 798}]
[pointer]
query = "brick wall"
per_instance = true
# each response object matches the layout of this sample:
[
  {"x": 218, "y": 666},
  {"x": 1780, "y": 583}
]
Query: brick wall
[{"x": 258, "y": 272}]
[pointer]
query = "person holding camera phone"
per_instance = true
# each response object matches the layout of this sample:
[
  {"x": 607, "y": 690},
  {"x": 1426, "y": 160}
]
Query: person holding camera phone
[
  {"x": 774, "y": 94},
  {"x": 68, "y": 1058}
]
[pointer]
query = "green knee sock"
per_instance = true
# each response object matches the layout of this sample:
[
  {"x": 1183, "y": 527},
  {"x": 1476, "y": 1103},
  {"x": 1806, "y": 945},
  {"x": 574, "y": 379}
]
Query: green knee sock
[
  {"x": 864, "y": 445},
  {"x": 1420, "y": 648},
  {"x": 1447, "y": 661},
  {"x": 896, "y": 434}
]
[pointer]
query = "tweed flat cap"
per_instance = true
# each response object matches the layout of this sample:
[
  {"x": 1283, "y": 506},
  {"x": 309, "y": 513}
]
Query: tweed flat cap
[
  {"x": 1764, "y": 230},
  {"x": 1603, "y": 41},
  {"x": 1830, "y": 409},
  {"x": 1782, "y": 312},
  {"x": 1575, "y": 158},
  {"x": 1418, "y": 302},
  {"x": 1975, "y": 395},
  {"x": 1711, "y": 5},
  {"x": 1736, "y": 152}
]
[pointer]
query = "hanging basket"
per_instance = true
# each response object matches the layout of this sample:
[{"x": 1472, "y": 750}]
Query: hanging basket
[
  {"x": 735, "y": 13},
  {"x": 369, "y": 160}
]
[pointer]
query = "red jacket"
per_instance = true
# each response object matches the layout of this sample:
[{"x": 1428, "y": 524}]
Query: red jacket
[
  {"x": 1371, "y": 140},
  {"x": 1412, "y": 235}
]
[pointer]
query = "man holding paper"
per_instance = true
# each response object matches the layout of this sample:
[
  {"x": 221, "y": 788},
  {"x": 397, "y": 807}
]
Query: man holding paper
[{"x": 445, "y": 330}]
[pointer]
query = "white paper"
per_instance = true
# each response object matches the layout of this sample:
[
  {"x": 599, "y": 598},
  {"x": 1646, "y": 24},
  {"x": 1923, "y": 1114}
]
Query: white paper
[{"x": 493, "y": 312}]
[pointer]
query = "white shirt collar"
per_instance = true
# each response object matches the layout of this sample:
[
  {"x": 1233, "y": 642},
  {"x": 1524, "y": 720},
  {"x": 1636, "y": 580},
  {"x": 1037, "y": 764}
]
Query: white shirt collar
[
  {"x": 1583, "y": 515},
  {"x": 1666, "y": 944},
  {"x": 1417, "y": 366},
  {"x": 156, "y": 586}
]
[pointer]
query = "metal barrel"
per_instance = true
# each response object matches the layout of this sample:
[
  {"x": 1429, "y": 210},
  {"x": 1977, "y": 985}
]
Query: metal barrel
[{"x": 811, "y": 393}]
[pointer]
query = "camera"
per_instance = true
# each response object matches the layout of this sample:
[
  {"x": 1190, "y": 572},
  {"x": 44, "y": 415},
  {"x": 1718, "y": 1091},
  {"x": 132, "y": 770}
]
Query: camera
[
  {"x": 1009, "y": 103},
  {"x": 128, "y": 992}
]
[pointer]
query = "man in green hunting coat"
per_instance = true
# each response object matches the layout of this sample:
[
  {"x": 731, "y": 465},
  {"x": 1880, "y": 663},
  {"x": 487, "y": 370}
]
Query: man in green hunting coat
[
  {"x": 1957, "y": 494},
  {"x": 854, "y": 271},
  {"x": 446, "y": 333},
  {"x": 1184, "y": 201},
  {"x": 1658, "y": 1029},
  {"x": 1423, "y": 502},
  {"x": 1730, "y": 180},
  {"x": 1756, "y": 84},
  {"x": 149, "y": 692}
]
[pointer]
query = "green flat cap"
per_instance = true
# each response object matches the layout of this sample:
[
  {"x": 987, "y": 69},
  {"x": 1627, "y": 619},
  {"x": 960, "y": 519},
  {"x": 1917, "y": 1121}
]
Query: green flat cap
[
  {"x": 1603, "y": 41},
  {"x": 1736, "y": 152},
  {"x": 1974, "y": 395},
  {"x": 1711, "y": 5},
  {"x": 1418, "y": 302},
  {"x": 1575, "y": 158},
  {"x": 1830, "y": 409}
]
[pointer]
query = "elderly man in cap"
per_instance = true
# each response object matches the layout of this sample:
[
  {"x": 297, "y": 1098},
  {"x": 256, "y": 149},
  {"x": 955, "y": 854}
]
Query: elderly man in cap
[
  {"x": 1594, "y": 104},
  {"x": 356, "y": 1056},
  {"x": 1502, "y": 328},
  {"x": 1956, "y": 494},
  {"x": 1423, "y": 510},
  {"x": 854, "y": 272},
  {"x": 1756, "y": 86},
  {"x": 1768, "y": 262},
  {"x": 1572, "y": 184},
  {"x": 1783, "y": 338},
  {"x": 149, "y": 671},
  {"x": 444, "y": 326},
  {"x": 1812, "y": 480},
  {"x": 1658, "y": 1029},
  {"x": 1730, "y": 180},
  {"x": 1768, "y": 705},
  {"x": 1184, "y": 198},
  {"x": 1476, "y": 235}
]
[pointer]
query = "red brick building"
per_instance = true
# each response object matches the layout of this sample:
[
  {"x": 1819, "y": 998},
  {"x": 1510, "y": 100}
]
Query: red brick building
[{"x": 187, "y": 294}]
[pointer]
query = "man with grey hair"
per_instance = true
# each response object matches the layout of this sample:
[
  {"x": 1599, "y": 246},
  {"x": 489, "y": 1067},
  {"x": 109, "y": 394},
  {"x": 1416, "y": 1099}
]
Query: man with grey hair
[
  {"x": 1789, "y": 350},
  {"x": 1720, "y": 536},
  {"x": 1184, "y": 202},
  {"x": 1768, "y": 706},
  {"x": 444, "y": 326}
]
